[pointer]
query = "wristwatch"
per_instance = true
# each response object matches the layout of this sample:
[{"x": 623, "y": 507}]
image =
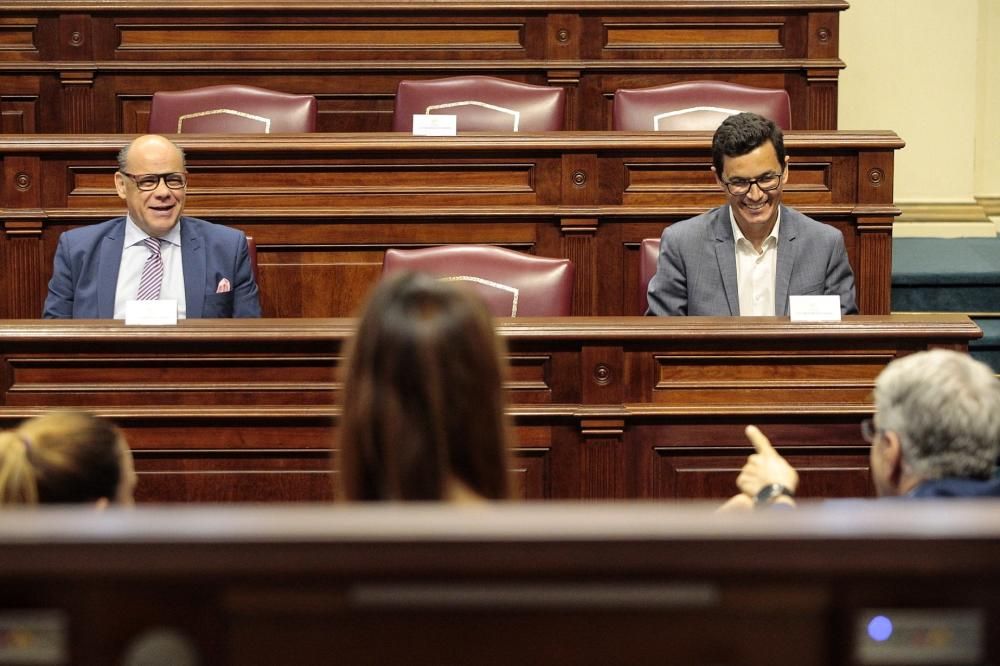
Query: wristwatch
[{"x": 769, "y": 493}]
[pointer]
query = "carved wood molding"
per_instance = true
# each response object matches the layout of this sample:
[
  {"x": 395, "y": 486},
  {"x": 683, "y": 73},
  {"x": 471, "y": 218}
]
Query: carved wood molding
[{"x": 392, "y": 6}]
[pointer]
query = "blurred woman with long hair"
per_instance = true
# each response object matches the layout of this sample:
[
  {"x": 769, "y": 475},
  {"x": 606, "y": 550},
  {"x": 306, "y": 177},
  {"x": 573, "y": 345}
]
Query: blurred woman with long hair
[{"x": 423, "y": 410}]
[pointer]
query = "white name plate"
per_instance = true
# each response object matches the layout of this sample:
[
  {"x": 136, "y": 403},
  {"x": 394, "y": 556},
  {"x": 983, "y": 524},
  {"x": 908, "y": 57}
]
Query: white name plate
[
  {"x": 432, "y": 124},
  {"x": 814, "y": 308},
  {"x": 151, "y": 313}
]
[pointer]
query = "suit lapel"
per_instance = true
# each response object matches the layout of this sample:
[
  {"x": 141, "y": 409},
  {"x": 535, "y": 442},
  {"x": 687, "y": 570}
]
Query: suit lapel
[
  {"x": 725, "y": 254},
  {"x": 193, "y": 258},
  {"x": 787, "y": 251},
  {"x": 109, "y": 262}
]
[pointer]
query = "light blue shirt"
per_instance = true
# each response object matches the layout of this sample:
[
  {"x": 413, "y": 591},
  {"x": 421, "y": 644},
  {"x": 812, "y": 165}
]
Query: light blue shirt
[{"x": 134, "y": 255}]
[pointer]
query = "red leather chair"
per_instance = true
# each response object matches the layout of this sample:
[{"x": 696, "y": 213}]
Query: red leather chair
[
  {"x": 231, "y": 109},
  {"x": 252, "y": 251},
  {"x": 513, "y": 284},
  {"x": 696, "y": 105},
  {"x": 481, "y": 103},
  {"x": 649, "y": 252}
]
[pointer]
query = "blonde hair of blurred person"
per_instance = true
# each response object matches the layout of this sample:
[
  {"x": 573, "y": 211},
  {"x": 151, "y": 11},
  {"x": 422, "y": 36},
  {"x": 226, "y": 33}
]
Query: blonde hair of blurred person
[
  {"x": 65, "y": 457},
  {"x": 423, "y": 411}
]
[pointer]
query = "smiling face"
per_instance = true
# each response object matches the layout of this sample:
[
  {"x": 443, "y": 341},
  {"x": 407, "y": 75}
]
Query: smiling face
[
  {"x": 756, "y": 210},
  {"x": 156, "y": 211}
]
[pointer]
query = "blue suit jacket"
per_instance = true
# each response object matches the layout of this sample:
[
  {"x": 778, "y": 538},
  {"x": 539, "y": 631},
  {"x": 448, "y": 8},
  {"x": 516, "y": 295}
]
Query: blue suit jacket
[
  {"x": 696, "y": 269},
  {"x": 85, "y": 271}
]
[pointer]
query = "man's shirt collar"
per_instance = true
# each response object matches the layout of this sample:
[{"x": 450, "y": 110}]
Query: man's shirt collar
[
  {"x": 770, "y": 240},
  {"x": 134, "y": 235}
]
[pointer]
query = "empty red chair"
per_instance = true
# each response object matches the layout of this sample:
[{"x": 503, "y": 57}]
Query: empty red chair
[
  {"x": 649, "y": 252},
  {"x": 232, "y": 109},
  {"x": 481, "y": 104},
  {"x": 513, "y": 284},
  {"x": 696, "y": 105},
  {"x": 252, "y": 252}
]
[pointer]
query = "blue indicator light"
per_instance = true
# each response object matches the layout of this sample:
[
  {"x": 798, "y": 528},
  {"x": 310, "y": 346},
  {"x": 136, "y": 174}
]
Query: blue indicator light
[{"x": 880, "y": 628}]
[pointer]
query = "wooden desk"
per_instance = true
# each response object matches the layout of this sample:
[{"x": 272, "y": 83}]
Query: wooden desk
[
  {"x": 222, "y": 410},
  {"x": 533, "y": 584},
  {"x": 86, "y": 66},
  {"x": 324, "y": 207}
]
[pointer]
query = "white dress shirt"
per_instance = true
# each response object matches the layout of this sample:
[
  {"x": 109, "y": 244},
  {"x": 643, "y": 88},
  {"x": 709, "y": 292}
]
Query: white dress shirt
[
  {"x": 756, "y": 271},
  {"x": 134, "y": 255}
]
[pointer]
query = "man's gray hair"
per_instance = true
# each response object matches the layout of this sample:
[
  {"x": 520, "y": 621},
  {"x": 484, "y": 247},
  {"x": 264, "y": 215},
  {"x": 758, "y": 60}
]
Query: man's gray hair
[
  {"x": 123, "y": 156},
  {"x": 945, "y": 408}
]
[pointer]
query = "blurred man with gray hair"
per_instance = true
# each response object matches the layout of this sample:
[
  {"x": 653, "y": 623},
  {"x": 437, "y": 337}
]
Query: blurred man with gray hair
[{"x": 936, "y": 433}]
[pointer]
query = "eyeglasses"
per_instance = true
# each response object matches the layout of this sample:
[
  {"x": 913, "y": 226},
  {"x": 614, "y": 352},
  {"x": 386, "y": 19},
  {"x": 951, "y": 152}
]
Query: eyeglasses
[
  {"x": 150, "y": 181},
  {"x": 766, "y": 183},
  {"x": 870, "y": 431}
]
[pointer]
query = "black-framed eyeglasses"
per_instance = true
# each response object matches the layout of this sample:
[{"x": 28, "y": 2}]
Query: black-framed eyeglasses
[
  {"x": 150, "y": 181},
  {"x": 870, "y": 431},
  {"x": 766, "y": 183}
]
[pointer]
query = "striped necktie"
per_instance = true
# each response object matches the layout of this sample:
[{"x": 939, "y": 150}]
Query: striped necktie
[{"x": 152, "y": 272}]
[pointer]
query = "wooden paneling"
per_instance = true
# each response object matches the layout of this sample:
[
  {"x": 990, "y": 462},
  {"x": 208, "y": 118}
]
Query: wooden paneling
[
  {"x": 572, "y": 584},
  {"x": 245, "y": 410},
  {"x": 323, "y": 208},
  {"x": 99, "y": 63}
]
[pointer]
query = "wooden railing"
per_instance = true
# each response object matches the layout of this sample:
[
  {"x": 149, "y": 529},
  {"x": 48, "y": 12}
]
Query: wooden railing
[
  {"x": 534, "y": 584},
  {"x": 324, "y": 207},
  {"x": 84, "y": 66},
  {"x": 605, "y": 407}
]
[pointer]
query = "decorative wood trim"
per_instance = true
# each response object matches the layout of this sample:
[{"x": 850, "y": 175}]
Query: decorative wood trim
[
  {"x": 944, "y": 211},
  {"x": 591, "y": 397},
  {"x": 990, "y": 204},
  {"x": 392, "y": 6},
  {"x": 576, "y": 67},
  {"x": 391, "y": 142},
  {"x": 352, "y": 54},
  {"x": 324, "y": 206},
  {"x": 947, "y": 220}
]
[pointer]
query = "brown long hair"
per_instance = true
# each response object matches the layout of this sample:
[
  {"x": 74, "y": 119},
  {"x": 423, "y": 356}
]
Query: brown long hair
[
  {"x": 60, "y": 457},
  {"x": 423, "y": 396}
]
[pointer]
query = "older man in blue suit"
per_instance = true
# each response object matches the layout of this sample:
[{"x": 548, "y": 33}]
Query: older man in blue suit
[
  {"x": 747, "y": 257},
  {"x": 154, "y": 253}
]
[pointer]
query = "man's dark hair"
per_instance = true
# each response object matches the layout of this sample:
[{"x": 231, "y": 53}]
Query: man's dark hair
[{"x": 740, "y": 134}]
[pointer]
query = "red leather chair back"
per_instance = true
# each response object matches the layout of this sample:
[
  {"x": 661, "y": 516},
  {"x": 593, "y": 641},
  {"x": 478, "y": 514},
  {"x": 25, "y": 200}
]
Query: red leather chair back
[
  {"x": 513, "y": 284},
  {"x": 696, "y": 105},
  {"x": 252, "y": 251},
  {"x": 231, "y": 109},
  {"x": 482, "y": 103},
  {"x": 649, "y": 252}
]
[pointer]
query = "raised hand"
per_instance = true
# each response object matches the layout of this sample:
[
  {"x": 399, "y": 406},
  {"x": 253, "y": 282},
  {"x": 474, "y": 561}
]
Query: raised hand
[{"x": 765, "y": 466}]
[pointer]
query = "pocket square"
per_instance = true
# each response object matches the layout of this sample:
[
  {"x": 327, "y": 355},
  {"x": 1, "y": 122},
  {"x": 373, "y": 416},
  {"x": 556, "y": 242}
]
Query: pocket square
[{"x": 223, "y": 287}]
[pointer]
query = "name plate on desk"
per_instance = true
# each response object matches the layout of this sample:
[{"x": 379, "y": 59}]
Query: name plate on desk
[
  {"x": 814, "y": 308},
  {"x": 432, "y": 124},
  {"x": 151, "y": 313}
]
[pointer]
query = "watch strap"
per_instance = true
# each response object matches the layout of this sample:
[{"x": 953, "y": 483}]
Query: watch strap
[{"x": 771, "y": 492}]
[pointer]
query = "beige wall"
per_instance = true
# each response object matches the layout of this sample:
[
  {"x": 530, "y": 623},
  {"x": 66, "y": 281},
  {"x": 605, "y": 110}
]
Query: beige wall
[
  {"x": 929, "y": 71},
  {"x": 988, "y": 121}
]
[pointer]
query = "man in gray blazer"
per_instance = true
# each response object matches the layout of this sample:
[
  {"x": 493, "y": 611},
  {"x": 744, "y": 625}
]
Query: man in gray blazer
[{"x": 748, "y": 256}]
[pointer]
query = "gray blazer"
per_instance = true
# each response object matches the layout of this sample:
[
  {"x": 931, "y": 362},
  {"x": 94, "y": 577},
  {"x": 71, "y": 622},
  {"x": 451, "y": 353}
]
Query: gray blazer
[{"x": 696, "y": 269}]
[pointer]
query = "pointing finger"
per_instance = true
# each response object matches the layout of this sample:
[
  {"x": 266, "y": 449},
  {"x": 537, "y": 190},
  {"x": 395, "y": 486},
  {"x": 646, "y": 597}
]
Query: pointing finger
[{"x": 760, "y": 442}]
